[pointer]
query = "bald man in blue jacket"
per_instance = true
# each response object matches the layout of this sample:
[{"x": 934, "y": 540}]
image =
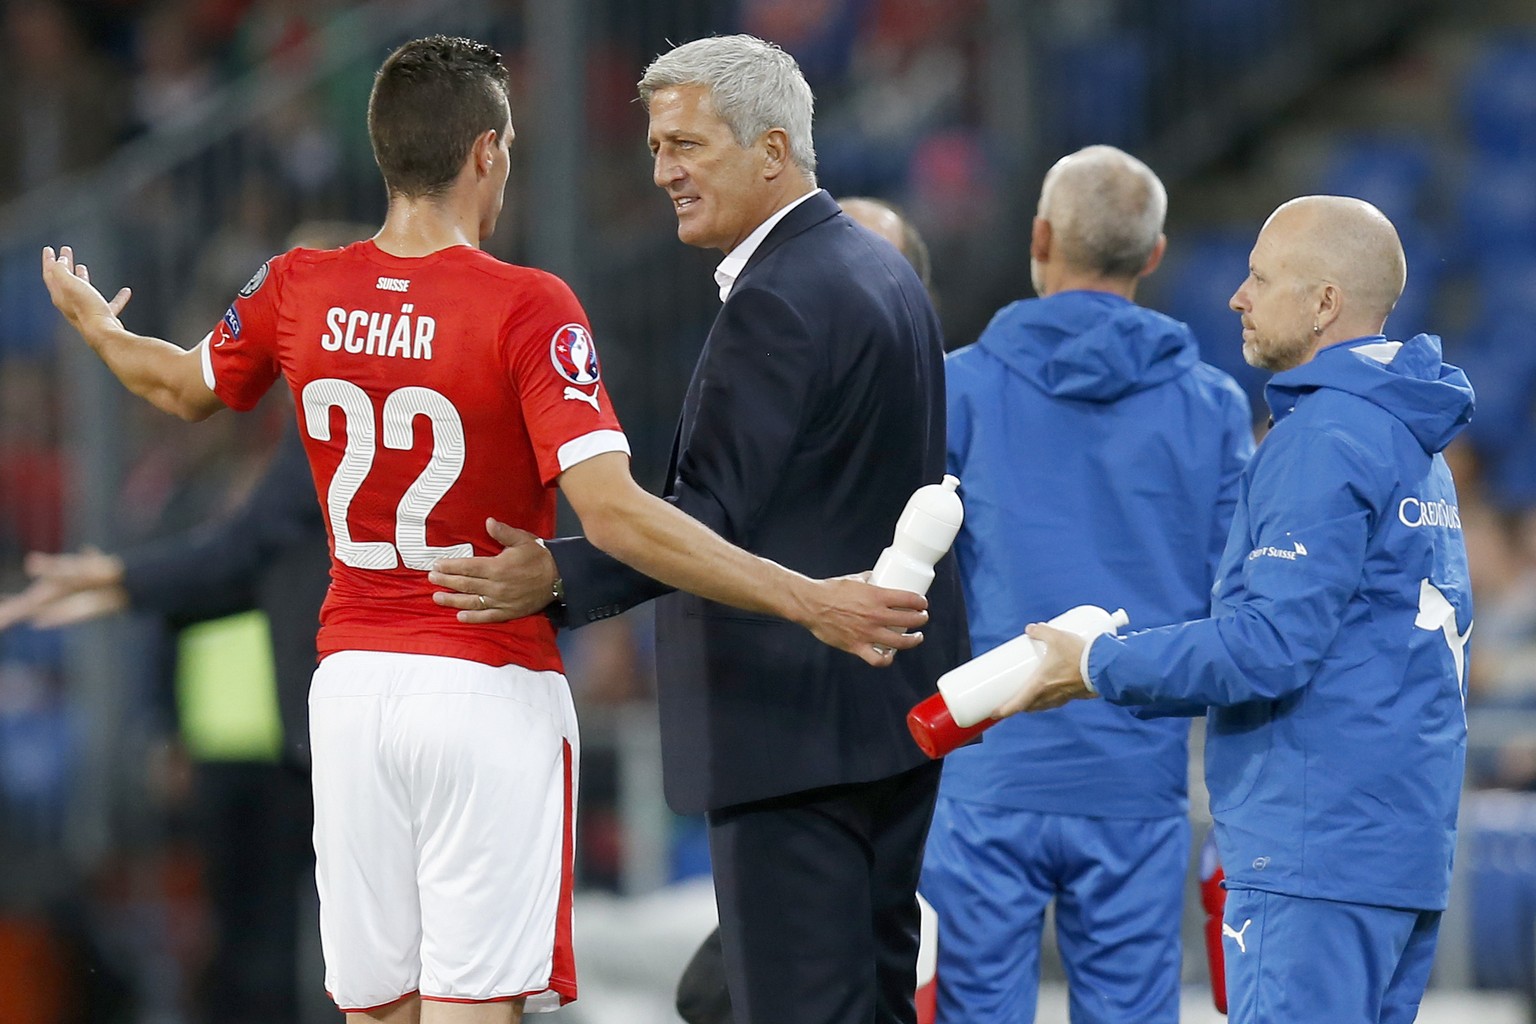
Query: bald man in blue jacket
[{"x": 1333, "y": 666}]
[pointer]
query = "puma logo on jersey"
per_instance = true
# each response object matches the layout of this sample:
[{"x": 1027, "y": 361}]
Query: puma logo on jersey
[
  {"x": 576, "y": 394},
  {"x": 1237, "y": 934},
  {"x": 394, "y": 284}
]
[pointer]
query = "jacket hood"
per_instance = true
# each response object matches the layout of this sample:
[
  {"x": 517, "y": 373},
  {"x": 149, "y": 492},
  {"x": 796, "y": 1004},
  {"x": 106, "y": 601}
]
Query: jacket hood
[
  {"x": 1089, "y": 345},
  {"x": 1406, "y": 378}
]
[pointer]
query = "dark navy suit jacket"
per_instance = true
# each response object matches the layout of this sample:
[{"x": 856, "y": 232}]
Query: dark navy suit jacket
[{"x": 815, "y": 410}]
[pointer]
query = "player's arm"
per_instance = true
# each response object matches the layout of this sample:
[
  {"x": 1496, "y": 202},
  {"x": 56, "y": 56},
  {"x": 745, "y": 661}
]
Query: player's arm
[
  {"x": 636, "y": 527},
  {"x": 168, "y": 377}
]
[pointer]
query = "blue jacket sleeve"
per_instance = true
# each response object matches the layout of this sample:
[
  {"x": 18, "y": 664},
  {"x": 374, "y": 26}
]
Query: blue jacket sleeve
[{"x": 1313, "y": 502}]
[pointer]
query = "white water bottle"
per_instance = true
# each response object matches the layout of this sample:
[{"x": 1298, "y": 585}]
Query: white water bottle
[
  {"x": 924, "y": 532},
  {"x": 979, "y": 687},
  {"x": 969, "y": 693}
]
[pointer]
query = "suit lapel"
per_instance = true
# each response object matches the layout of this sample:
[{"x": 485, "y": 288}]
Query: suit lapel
[
  {"x": 677, "y": 447},
  {"x": 820, "y": 207}
]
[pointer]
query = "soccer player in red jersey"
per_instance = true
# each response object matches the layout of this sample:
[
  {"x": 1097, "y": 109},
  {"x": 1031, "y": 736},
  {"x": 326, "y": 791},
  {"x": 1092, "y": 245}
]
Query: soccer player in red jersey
[{"x": 435, "y": 384}]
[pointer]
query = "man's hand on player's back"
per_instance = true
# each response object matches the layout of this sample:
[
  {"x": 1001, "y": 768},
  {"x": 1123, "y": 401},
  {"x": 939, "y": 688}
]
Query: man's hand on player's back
[{"x": 498, "y": 588}]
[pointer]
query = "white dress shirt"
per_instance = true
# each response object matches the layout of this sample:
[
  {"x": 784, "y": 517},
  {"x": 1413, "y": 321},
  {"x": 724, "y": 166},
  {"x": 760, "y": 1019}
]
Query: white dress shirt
[{"x": 735, "y": 261}]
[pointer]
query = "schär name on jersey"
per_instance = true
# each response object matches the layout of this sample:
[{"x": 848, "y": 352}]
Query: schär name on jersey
[{"x": 369, "y": 332}]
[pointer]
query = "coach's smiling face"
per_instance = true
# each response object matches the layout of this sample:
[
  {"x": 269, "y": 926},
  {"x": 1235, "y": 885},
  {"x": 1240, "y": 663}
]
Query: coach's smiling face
[{"x": 720, "y": 189}]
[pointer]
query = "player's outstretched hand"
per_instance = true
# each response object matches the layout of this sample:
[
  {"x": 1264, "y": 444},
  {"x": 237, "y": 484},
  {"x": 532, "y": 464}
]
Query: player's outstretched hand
[
  {"x": 498, "y": 588},
  {"x": 66, "y": 589},
  {"x": 1059, "y": 678},
  {"x": 871, "y": 622},
  {"x": 69, "y": 286}
]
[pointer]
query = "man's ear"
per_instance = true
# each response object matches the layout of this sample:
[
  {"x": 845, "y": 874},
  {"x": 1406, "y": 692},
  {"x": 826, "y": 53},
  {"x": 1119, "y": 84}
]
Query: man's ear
[
  {"x": 775, "y": 143},
  {"x": 1156, "y": 257},
  {"x": 483, "y": 152},
  {"x": 1040, "y": 240},
  {"x": 1330, "y": 303}
]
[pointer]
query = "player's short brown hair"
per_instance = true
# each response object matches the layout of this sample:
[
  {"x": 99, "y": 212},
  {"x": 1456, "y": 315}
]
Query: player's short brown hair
[{"x": 431, "y": 99}]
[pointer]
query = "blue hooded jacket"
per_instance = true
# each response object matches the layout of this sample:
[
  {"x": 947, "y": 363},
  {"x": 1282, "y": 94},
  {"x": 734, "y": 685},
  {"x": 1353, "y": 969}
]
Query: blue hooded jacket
[
  {"x": 1335, "y": 664},
  {"x": 1099, "y": 461}
]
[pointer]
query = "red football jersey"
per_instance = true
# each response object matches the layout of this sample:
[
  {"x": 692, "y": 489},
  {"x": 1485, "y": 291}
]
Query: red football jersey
[{"x": 431, "y": 392}]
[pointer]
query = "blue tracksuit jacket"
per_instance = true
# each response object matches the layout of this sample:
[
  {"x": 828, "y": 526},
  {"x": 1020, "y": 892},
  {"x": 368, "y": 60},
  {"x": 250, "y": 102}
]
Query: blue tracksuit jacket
[
  {"x": 1334, "y": 667},
  {"x": 1099, "y": 461}
]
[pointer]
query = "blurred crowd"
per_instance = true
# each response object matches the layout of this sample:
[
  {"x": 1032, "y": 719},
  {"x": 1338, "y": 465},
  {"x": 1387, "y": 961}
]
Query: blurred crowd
[
  {"x": 951, "y": 108},
  {"x": 139, "y": 66}
]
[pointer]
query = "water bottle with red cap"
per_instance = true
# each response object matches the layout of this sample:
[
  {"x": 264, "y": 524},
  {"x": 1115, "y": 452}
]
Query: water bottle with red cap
[{"x": 970, "y": 693}]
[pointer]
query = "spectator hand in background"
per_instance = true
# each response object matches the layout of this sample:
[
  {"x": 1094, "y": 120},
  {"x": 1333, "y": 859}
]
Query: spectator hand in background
[{"x": 66, "y": 589}]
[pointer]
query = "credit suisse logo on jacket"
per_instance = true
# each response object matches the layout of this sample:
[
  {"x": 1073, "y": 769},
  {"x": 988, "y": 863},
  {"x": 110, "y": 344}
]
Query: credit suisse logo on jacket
[{"x": 1417, "y": 512}]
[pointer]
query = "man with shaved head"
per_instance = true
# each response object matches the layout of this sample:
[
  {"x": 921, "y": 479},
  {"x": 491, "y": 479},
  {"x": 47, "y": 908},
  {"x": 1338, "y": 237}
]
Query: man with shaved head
[
  {"x": 1099, "y": 461},
  {"x": 1347, "y": 248},
  {"x": 1332, "y": 669}
]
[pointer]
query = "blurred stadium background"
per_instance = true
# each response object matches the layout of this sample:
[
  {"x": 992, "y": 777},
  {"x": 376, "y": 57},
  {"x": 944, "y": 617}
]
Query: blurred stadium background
[{"x": 178, "y": 143}]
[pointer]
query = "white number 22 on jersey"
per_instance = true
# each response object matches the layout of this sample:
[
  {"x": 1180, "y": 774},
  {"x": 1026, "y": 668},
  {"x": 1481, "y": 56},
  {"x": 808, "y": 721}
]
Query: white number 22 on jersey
[{"x": 400, "y": 411}]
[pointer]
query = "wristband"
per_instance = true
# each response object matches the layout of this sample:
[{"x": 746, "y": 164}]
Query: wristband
[{"x": 1083, "y": 665}]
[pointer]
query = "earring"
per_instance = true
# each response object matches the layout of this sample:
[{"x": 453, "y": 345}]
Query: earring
[{"x": 1317, "y": 329}]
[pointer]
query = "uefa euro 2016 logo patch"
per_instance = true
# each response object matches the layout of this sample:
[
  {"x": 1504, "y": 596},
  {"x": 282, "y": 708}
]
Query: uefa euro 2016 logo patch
[{"x": 574, "y": 355}]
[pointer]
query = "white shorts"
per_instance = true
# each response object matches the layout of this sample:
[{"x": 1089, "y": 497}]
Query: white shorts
[{"x": 444, "y": 823}]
